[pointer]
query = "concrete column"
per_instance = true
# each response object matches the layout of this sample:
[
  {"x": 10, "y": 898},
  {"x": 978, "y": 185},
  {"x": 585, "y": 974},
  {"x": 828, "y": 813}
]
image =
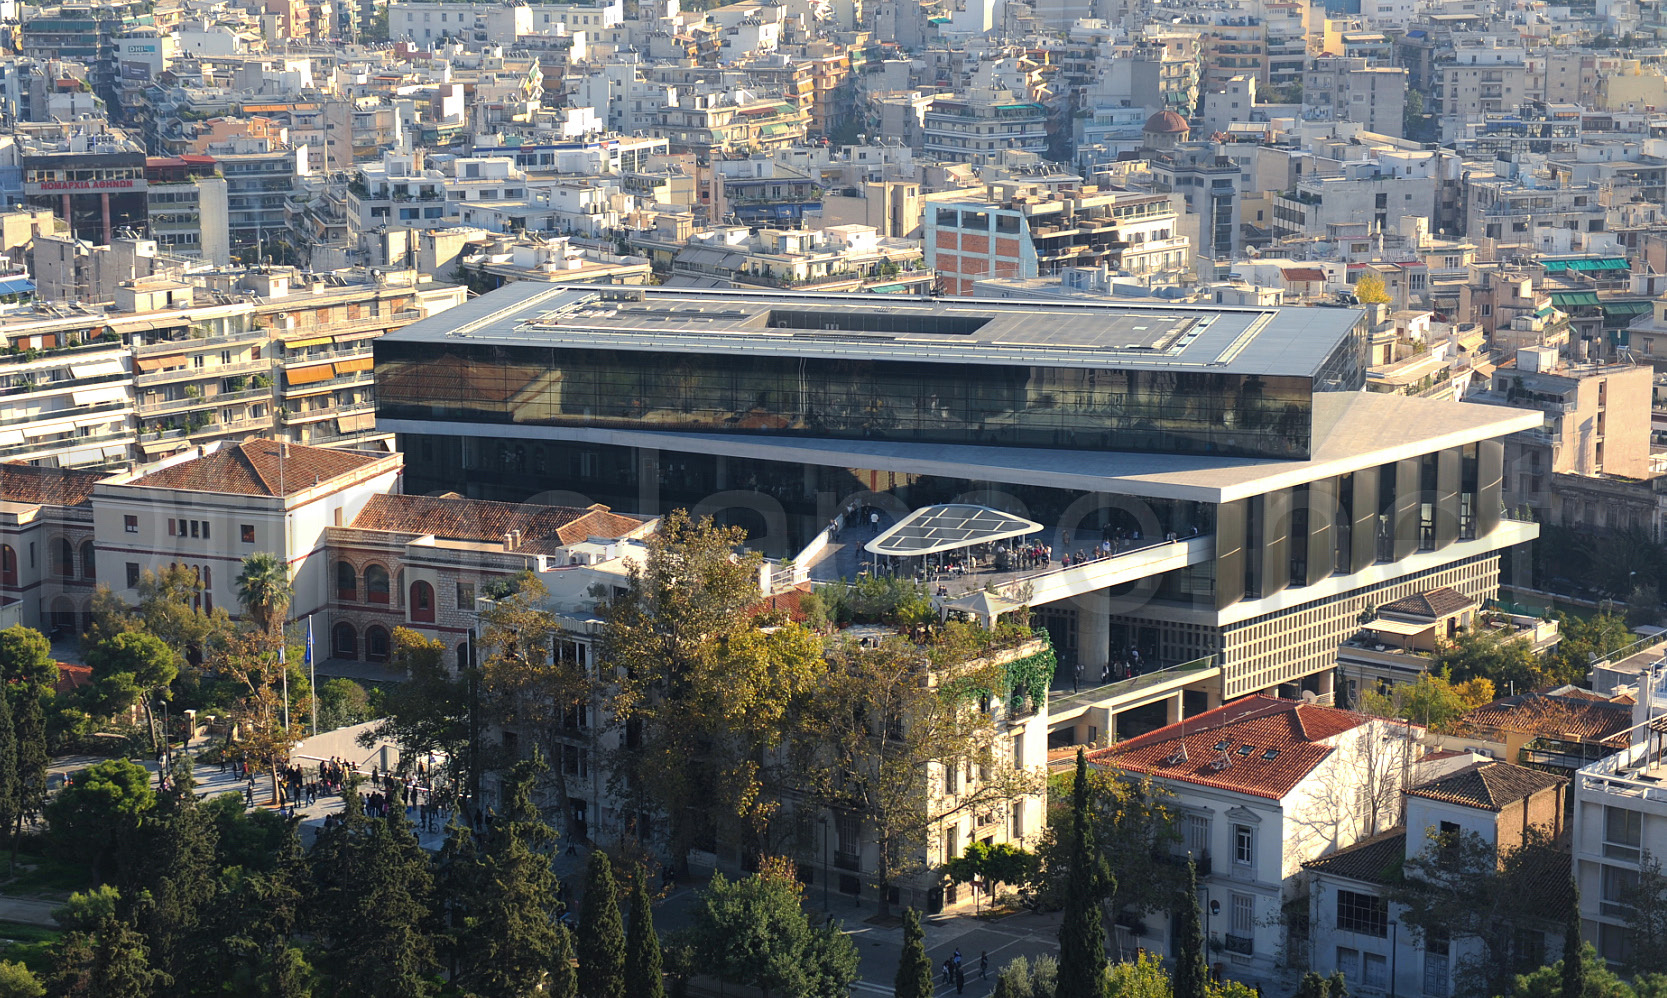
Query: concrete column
[
  {"x": 1093, "y": 643},
  {"x": 648, "y": 480},
  {"x": 721, "y": 481},
  {"x": 1172, "y": 710},
  {"x": 1490, "y": 472},
  {"x": 104, "y": 204}
]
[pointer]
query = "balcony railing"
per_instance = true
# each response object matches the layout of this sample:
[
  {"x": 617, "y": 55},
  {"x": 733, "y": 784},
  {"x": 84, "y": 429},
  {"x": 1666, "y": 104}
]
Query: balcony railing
[
  {"x": 847, "y": 861},
  {"x": 1243, "y": 945}
]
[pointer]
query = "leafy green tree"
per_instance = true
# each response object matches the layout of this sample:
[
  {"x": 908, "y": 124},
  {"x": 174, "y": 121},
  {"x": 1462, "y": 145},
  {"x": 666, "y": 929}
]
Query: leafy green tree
[
  {"x": 687, "y": 596},
  {"x": 1192, "y": 969},
  {"x": 133, "y": 666},
  {"x": 1501, "y": 659},
  {"x": 512, "y": 940},
  {"x": 1461, "y": 888},
  {"x": 342, "y": 702},
  {"x": 1433, "y": 699},
  {"x": 99, "y": 815},
  {"x": 428, "y": 713},
  {"x": 1036, "y": 977},
  {"x": 601, "y": 934},
  {"x": 914, "y": 968},
  {"x": 643, "y": 976},
  {"x": 1412, "y": 114},
  {"x": 171, "y": 608},
  {"x": 263, "y": 587},
  {"x": 754, "y": 932},
  {"x": 26, "y": 659},
  {"x": 29, "y": 726},
  {"x": 17, "y": 981},
  {"x": 994, "y": 865},
  {"x": 1133, "y": 819},
  {"x": 1598, "y": 981}
]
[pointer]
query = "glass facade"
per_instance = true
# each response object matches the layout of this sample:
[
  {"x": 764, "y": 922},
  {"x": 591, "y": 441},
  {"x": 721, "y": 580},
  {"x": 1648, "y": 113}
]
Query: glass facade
[{"x": 1183, "y": 412}]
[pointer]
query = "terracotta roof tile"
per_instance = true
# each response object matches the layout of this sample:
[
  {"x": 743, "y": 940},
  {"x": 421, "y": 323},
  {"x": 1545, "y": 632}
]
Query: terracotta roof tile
[
  {"x": 1375, "y": 860},
  {"x": 1432, "y": 605},
  {"x": 46, "y": 486},
  {"x": 255, "y": 468},
  {"x": 543, "y": 528},
  {"x": 1489, "y": 786},
  {"x": 1567, "y": 718},
  {"x": 1259, "y": 745},
  {"x": 73, "y": 677}
]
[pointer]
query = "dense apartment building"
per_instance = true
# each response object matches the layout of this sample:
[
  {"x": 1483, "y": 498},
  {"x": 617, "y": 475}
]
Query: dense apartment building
[
  {"x": 1339, "y": 89},
  {"x": 1022, "y": 231},
  {"x": 979, "y": 127}
]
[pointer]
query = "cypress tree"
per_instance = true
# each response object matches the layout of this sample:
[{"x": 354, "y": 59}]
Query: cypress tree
[
  {"x": 1574, "y": 963},
  {"x": 914, "y": 970},
  {"x": 121, "y": 963},
  {"x": 563, "y": 982},
  {"x": 9, "y": 803},
  {"x": 1082, "y": 939},
  {"x": 601, "y": 936},
  {"x": 643, "y": 978},
  {"x": 29, "y": 725},
  {"x": 1192, "y": 973},
  {"x": 178, "y": 877},
  {"x": 376, "y": 903},
  {"x": 511, "y": 936}
]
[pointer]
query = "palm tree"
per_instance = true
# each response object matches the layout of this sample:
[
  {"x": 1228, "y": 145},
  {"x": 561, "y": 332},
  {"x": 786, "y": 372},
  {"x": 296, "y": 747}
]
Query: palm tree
[{"x": 264, "y": 590}]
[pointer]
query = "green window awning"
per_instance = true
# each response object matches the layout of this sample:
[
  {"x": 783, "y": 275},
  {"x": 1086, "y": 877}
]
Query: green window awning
[
  {"x": 1574, "y": 299},
  {"x": 1626, "y": 308},
  {"x": 1586, "y": 266}
]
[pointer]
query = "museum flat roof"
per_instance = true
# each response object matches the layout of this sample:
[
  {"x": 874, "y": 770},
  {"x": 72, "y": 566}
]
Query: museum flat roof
[{"x": 1261, "y": 341}]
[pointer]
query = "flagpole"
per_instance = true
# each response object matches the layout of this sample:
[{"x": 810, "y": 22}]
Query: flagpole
[
  {"x": 283, "y": 666},
  {"x": 312, "y": 671}
]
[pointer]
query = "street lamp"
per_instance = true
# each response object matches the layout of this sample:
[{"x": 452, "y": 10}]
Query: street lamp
[
  {"x": 1394, "y": 953},
  {"x": 827, "y": 870}
]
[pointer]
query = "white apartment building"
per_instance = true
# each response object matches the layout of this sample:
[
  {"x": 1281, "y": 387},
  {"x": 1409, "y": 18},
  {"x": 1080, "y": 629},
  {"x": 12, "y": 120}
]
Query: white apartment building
[
  {"x": 1263, "y": 786},
  {"x": 1620, "y": 820}
]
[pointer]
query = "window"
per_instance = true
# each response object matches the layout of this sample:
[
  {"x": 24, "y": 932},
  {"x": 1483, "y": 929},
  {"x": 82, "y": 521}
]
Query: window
[
  {"x": 1623, "y": 833},
  {"x": 63, "y": 559},
  {"x": 1374, "y": 971},
  {"x": 205, "y": 530},
  {"x": 1436, "y": 955},
  {"x": 132, "y": 575},
  {"x": 130, "y": 523},
  {"x": 1348, "y": 963},
  {"x": 1242, "y": 938},
  {"x": 1244, "y": 846},
  {"x": 1362, "y": 913},
  {"x": 465, "y": 595},
  {"x": 1198, "y": 837},
  {"x": 344, "y": 642},
  {"x": 8, "y": 565},
  {"x": 347, "y": 581},
  {"x": 376, "y": 644},
  {"x": 376, "y": 584},
  {"x": 1618, "y": 882},
  {"x": 247, "y": 530},
  {"x": 422, "y": 602},
  {"x": 88, "y": 568}
]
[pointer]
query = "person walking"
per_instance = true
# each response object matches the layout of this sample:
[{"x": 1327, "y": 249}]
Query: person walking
[
  {"x": 960, "y": 980},
  {"x": 983, "y": 965}
]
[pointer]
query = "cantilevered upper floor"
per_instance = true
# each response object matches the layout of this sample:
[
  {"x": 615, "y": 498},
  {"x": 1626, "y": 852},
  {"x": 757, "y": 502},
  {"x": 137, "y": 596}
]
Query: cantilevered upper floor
[{"x": 1061, "y": 375}]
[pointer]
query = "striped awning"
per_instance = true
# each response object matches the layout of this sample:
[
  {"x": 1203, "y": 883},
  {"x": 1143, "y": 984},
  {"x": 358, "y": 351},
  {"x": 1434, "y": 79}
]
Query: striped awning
[{"x": 356, "y": 364}]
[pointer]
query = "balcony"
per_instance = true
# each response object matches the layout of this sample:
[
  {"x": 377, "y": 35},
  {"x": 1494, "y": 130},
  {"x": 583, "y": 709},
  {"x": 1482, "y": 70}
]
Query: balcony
[
  {"x": 167, "y": 406},
  {"x": 189, "y": 373},
  {"x": 847, "y": 861},
  {"x": 1242, "y": 945}
]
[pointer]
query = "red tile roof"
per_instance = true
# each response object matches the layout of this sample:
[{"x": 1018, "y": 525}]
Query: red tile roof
[
  {"x": 1489, "y": 786},
  {"x": 1303, "y": 274},
  {"x": 450, "y": 517},
  {"x": 73, "y": 677},
  {"x": 1570, "y": 719},
  {"x": 46, "y": 486},
  {"x": 1433, "y": 605},
  {"x": 1286, "y": 739},
  {"x": 255, "y": 468}
]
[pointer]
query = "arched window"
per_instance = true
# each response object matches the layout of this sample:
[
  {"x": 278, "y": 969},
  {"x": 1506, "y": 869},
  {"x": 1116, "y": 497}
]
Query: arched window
[
  {"x": 347, "y": 581},
  {"x": 63, "y": 615},
  {"x": 87, "y": 561},
  {"x": 422, "y": 602},
  {"x": 376, "y": 584},
  {"x": 8, "y": 565},
  {"x": 344, "y": 642},
  {"x": 376, "y": 643},
  {"x": 63, "y": 559}
]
